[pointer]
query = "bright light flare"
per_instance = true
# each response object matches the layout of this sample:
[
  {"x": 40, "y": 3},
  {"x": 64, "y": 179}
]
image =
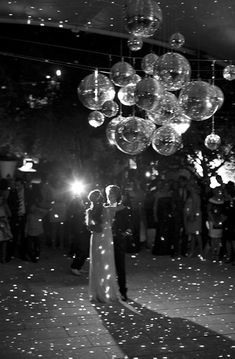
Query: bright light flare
[
  {"x": 58, "y": 72},
  {"x": 77, "y": 187}
]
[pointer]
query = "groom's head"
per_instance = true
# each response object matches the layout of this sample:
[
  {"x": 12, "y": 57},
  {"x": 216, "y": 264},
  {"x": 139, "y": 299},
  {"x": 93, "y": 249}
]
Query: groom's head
[{"x": 113, "y": 194}]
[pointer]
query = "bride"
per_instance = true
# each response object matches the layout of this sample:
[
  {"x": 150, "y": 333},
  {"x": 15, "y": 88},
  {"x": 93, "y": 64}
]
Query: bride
[{"x": 102, "y": 273}]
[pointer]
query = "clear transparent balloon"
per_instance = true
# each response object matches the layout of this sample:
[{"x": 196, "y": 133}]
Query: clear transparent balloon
[
  {"x": 121, "y": 73},
  {"x": 167, "y": 109},
  {"x": 126, "y": 95},
  {"x": 94, "y": 90},
  {"x": 133, "y": 148},
  {"x": 134, "y": 79},
  {"x": 133, "y": 135},
  {"x": 219, "y": 96},
  {"x": 229, "y": 72},
  {"x": 111, "y": 129},
  {"x": 110, "y": 108},
  {"x": 173, "y": 70},
  {"x": 166, "y": 141},
  {"x": 96, "y": 118},
  {"x": 148, "y": 93},
  {"x": 212, "y": 141},
  {"x": 197, "y": 100},
  {"x": 136, "y": 128},
  {"x": 148, "y": 62},
  {"x": 135, "y": 43},
  {"x": 177, "y": 40},
  {"x": 180, "y": 123},
  {"x": 142, "y": 17}
]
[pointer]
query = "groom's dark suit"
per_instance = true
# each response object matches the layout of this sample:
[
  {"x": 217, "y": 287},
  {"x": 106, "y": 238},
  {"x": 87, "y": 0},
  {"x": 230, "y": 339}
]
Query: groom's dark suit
[{"x": 121, "y": 222}]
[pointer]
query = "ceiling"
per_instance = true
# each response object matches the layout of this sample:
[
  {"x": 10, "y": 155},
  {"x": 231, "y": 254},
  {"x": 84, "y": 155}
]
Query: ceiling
[{"x": 207, "y": 25}]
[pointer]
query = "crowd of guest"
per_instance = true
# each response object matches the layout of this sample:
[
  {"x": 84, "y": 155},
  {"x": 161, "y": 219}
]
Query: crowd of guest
[
  {"x": 188, "y": 220},
  {"x": 192, "y": 222},
  {"x": 30, "y": 213}
]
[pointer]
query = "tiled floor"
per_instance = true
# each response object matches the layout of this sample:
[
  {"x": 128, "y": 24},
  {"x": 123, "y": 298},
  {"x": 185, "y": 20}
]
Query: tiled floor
[{"x": 178, "y": 309}]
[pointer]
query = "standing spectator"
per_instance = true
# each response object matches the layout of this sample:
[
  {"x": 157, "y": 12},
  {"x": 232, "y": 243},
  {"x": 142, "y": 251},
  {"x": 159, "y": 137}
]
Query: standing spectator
[
  {"x": 163, "y": 217},
  {"x": 228, "y": 241},
  {"x": 5, "y": 187},
  {"x": 220, "y": 190},
  {"x": 58, "y": 214},
  {"x": 79, "y": 234},
  {"x": 34, "y": 227},
  {"x": 5, "y": 231},
  {"x": 205, "y": 194},
  {"x": 17, "y": 202},
  {"x": 215, "y": 222},
  {"x": 179, "y": 196},
  {"x": 193, "y": 220}
]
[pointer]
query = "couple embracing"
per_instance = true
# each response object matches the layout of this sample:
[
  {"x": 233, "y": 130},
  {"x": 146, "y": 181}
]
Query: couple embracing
[{"x": 109, "y": 224}]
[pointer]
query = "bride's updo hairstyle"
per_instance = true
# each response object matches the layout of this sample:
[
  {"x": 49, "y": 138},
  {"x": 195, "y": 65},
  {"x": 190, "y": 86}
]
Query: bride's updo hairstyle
[
  {"x": 95, "y": 196},
  {"x": 97, "y": 200}
]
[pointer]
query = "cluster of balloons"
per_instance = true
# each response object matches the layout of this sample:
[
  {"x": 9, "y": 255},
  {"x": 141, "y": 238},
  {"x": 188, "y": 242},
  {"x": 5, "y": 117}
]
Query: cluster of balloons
[{"x": 166, "y": 93}]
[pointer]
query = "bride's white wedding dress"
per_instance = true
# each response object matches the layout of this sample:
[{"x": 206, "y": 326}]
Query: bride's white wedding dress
[{"x": 102, "y": 273}]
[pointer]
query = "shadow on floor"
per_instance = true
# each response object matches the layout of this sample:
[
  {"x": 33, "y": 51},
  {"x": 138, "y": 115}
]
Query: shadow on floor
[{"x": 143, "y": 333}]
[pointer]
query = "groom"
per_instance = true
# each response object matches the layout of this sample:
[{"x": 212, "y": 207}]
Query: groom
[{"x": 121, "y": 227}]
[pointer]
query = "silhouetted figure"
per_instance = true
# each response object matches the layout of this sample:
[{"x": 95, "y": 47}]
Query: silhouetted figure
[
  {"x": 228, "y": 239},
  {"x": 193, "y": 221},
  {"x": 5, "y": 231},
  {"x": 163, "y": 217},
  {"x": 179, "y": 197},
  {"x": 34, "y": 226},
  {"x": 17, "y": 202},
  {"x": 121, "y": 228},
  {"x": 79, "y": 234}
]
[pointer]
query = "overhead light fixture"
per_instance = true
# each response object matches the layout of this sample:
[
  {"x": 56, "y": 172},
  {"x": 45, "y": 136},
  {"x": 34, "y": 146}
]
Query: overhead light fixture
[{"x": 27, "y": 166}]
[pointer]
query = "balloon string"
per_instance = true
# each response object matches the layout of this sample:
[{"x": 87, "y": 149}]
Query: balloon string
[
  {"x": 213, "y": 124},
  {"x": 213, "y": 72},
  {"x": 213, "y": 82},
  {"x": 96, "y": 85}
]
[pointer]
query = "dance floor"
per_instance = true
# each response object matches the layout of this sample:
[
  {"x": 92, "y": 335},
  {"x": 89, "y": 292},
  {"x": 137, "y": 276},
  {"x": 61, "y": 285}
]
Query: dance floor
[{"x": 178, "y": 309}]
